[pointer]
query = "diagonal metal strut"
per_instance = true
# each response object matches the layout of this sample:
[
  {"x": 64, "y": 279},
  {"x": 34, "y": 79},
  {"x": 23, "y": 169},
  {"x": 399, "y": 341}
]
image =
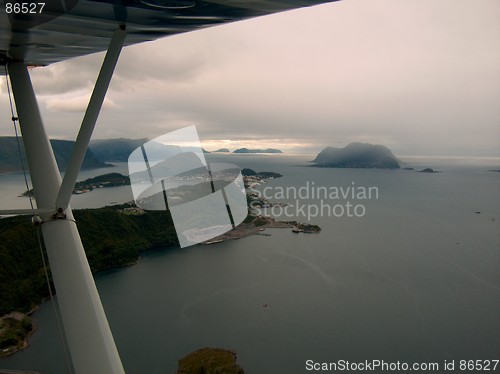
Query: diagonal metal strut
[
  {"x": 90, "y": 119},
  {"x": 93, "y": 350}
]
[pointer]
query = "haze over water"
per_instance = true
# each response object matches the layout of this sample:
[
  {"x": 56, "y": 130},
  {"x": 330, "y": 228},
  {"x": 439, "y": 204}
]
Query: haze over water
[{"x": 416, "y": 279}]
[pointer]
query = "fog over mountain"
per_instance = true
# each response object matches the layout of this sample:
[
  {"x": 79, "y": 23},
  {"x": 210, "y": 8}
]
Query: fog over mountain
[
  {"x": 357, "y": 155},
  {"x": 10, "y": 160}
]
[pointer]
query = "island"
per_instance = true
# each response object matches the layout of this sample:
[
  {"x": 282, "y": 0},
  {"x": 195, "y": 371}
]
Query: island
[
  {"x": 357, "y": 155},
  {"x": 428, "y": 170},
  {"x": 246, "y": 150},
  {"x": 222, "y": 150},
  {"x": 101, "y": 181},
  {"x": 15, "y": 328},
  {"x": 307, "y": 228},
  {"x": 209, "y": 361},
  {"x": 246, "y": 172}
]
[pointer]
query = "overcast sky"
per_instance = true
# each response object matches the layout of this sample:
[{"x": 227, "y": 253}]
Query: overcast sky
[{"x": 419, "y": 76}]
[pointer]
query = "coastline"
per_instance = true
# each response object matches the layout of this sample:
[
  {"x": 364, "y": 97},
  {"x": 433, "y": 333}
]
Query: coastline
[
  {"x": 20, "y": 318},
  {"x": 142, "y": 223},
  {"x": 253, "y": 225},
  {"x": 250, "y": 228}
]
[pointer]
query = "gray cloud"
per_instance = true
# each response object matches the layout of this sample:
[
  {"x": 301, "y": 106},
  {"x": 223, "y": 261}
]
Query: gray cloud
[
  {"x": 76, "y": 104},
  {"x": 420, "y": 76}
]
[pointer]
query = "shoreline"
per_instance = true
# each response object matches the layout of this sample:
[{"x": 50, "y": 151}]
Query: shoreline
[
  {"x": 249, "y": 228},
  {"x": 255, "y": 226},
  {"x": 19, "y": 317},
  {"x": 258, "y": 224}
]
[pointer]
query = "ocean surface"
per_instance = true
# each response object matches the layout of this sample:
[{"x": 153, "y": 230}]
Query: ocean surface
[{"x": 416, "y": 279}]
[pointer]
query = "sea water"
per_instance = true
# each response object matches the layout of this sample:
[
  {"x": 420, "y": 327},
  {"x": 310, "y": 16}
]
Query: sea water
[{"x": 416, "y": 279}]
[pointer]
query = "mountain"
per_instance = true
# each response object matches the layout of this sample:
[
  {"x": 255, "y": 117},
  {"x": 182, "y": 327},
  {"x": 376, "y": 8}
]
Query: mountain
[
  {"x": 222, "y": 150},
  {"x": 185, "y": 163},
  {"x": 357, "y": 155},
  {"x": 9, "y": 155},
  {"x": 268, "y": 150},
  {"x": 116, "y": 150}
]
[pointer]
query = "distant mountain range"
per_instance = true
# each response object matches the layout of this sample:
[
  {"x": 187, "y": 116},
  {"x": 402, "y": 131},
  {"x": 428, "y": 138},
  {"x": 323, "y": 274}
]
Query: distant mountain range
[
  {"x": 10, "y": 162},
  {"x": 357, "y": 155},
  {"x": 268, "y": 150},
  {"x": 116, "y": 150}
]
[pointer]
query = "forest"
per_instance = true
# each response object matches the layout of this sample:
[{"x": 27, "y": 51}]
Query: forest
[{"x": 110, "y": 237}]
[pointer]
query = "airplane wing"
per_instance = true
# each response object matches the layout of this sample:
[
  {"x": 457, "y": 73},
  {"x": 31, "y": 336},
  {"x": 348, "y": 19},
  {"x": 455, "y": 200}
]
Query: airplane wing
[{"x": 41, "y": 32}]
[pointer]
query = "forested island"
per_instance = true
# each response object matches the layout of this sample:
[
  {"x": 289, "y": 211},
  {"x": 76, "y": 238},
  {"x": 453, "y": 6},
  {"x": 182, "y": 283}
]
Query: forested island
[
  {"x": 260, "y": 175},
  {"x": 210, "y": 361},
  {"x": 15, "y": 327},
  {"x": 101, "y": 181}
]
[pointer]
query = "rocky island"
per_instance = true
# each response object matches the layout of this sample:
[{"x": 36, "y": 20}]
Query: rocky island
[
  {"x": 428, "y": 170},
  {"x": 357, "y": 155}
]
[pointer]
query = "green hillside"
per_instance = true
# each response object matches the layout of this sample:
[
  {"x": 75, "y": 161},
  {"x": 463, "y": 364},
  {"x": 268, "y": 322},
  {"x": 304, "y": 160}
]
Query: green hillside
[
  {"x": 9, "y": 155},
  {"x": 110, "y": 238},
  {"x": 115, "y": 149}
]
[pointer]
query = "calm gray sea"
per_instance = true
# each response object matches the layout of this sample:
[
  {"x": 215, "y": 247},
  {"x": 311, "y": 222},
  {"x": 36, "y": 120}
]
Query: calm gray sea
[{"x": 415, "y": 280}]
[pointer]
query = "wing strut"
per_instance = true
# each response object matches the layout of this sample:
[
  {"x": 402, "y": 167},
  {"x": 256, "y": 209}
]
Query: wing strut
[
  {"x": 91, "y": 343},
  {"x": 90, "y": 118}
]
